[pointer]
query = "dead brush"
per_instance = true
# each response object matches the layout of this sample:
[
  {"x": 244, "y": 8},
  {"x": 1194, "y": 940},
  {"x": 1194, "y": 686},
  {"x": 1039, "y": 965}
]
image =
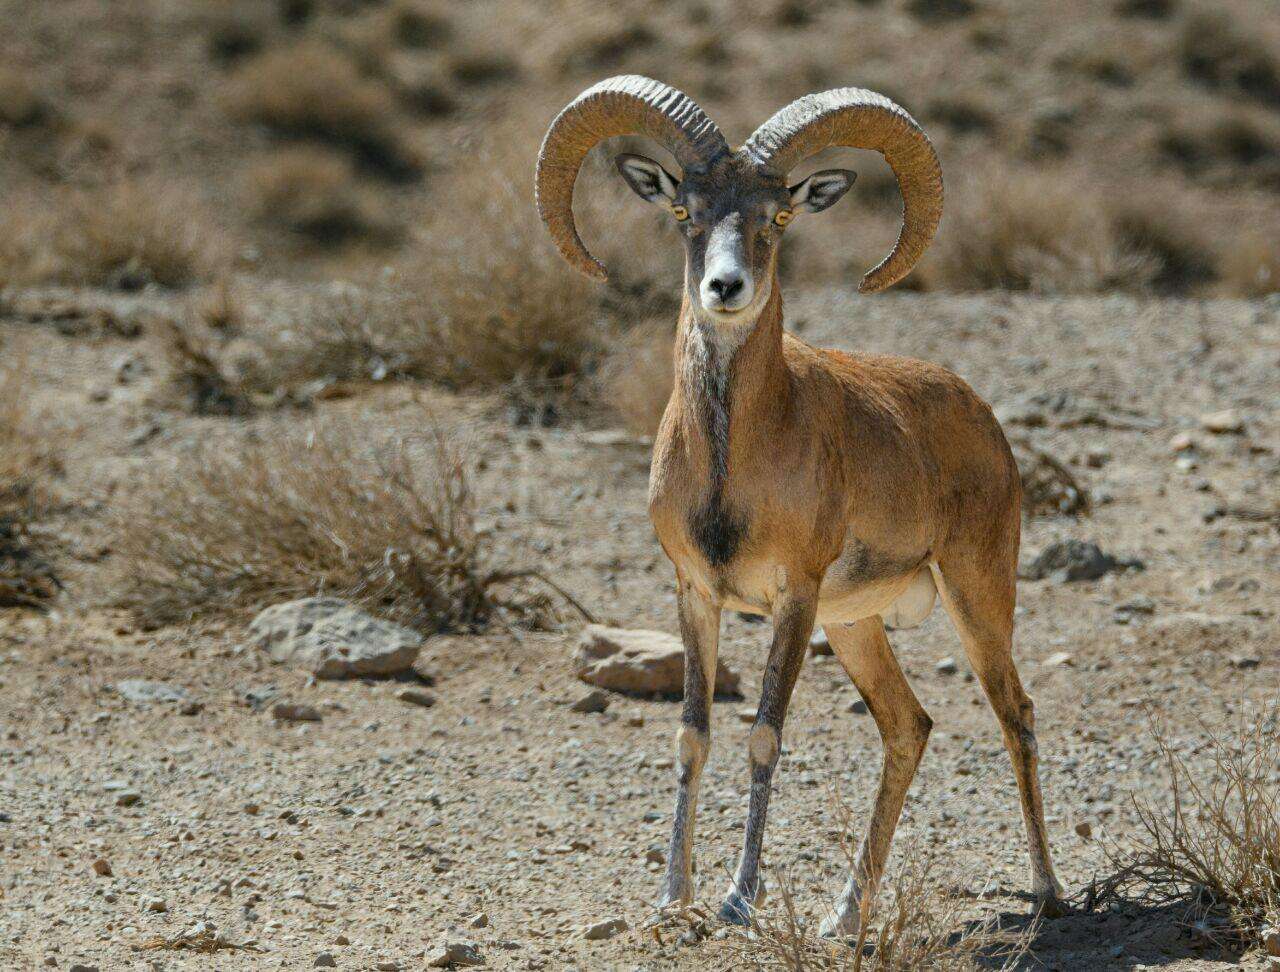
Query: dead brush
[
  {"x": 389, "y": 524},
  {"x": 919, "y": 928},
  {"x": 1213, "y": 843},
  {"x": 26, "y": 579},
  {"x": 636, "y": 378}
]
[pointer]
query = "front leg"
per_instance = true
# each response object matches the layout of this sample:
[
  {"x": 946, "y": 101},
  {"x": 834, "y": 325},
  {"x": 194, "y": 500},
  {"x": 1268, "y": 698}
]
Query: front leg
[
  {"x": 700, "y": 631},
  {"x": 792, "y": 626}
]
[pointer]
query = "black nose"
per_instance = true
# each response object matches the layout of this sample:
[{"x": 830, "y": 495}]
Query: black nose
[{"x": 726, "y": 288}]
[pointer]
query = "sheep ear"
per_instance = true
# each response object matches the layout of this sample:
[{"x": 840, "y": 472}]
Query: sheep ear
[
  {"x": 647, "y": 179},
  {"x": 821, "y": 190}
]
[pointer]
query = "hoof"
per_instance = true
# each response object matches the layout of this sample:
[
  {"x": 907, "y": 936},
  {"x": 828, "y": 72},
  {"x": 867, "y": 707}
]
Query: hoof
[
  {"x": 837, "y": 926},
  {"x": 735, "y": 910},
  {"x": 1050, "y": 905}
]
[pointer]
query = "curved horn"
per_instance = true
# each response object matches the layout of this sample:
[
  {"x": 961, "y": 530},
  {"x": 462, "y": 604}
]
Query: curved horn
[
  {"x": 624, "y": 105},
  {"x": 859, "y": 118}
]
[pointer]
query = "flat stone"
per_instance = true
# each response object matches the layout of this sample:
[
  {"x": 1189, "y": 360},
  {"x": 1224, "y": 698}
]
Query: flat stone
[
  {"x": 333, "y": 639},
  {"x": 594, "y": 701},
  {"x": 454, "y": 953},
  {"x": 602, "y": 930},
  {"x": 1073, "y": 560},
  {"x": 638, "y": 661},
  {"x": 145, "y": 692},
  {"x": 417, "y": 697},
  {"x": 292, "y": 712},
  {"x": 947, "y": 666},
  {"x": 1220, "y": 423}
]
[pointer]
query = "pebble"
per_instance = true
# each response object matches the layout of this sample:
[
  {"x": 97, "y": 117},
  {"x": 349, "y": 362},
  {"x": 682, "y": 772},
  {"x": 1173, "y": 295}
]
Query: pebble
[
  {"x": 388, "y": 965},
  {"x": 479, "y": 920},
  {"x": 101, "y": 867},
  {"x": 597, "y": 700},
  {"x": 1182, "y": 442},
  {"x": 1219, "y": 423},
  {"x": 1245, "y": 662},
  {"x": 947, "y": 666},
  {"x": 819, "y": 645},
  {"x": 324, "y": 960},
  {"x": 746, "y": 715},
  {"x": 128, "y": 798},
  {"x": 635, "y": 718},
  {"x": 158, "y": 905},
  {"x": 1084, "y": 829},
  {"x": 1059, "y": 658},
  {"x": 292, "y": 712},
  {"x": 605, "y": 929},
  {"x": 416, "y": 697},
  {"x": 78, "y": 967},
  {"x": 858, "y": 707}
]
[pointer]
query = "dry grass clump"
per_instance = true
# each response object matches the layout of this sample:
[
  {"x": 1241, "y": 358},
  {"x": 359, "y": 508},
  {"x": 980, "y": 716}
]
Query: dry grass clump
[
  {"x": 1186, "y": 256},
  {"x": 637, "y": 377},
  {"x": 919, "y": 928},
  {"x": 122, "y": 234},
  {"x": 1250, "y": 267},
  {"x": 25, "y": 579},
  {"x": 1030, "y": 231},
  {"x": 1214, "y": 841},
  {"x": 313, "y": 90},
  {"x": 389, "y": 524},
  {"x": 315, "y": 193}
]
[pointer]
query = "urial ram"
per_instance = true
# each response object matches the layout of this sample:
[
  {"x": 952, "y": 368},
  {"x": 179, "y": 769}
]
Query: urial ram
[{"x": 812, "y": 485}]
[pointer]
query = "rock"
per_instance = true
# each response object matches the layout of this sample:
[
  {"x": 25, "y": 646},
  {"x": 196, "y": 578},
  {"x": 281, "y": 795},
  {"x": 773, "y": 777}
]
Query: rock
[
  {"x": 144, "y": 692},
  {"x": 324, "y": 960},
  {"x": 638, "y": 661},
  {"x": 1271, "y": 941},
  {"x": 635, "y": 718},
  {"x": 190, "y": 708},
  {"x": 1084, "y": 829},
  {"x": 1245, "y": 662},
  {"x": 78, "y": 967},
  {"x": 606, "y": 929},
  {"x": 819, "y": 645},
  {"x": 1182, "y": 442},
  {"x": 947, "y": 666},
  {"x": 292, "y": 712},
  {"x": 1073, "y": 560},
  {"x": 417, "y": 697},
  {"x": 127, "y": 798},
  {"x": 479, "y": 920},
  {"x": 158, "y": 905},
  {"x": 655, "y": 855},
  {"x": 1221, "y": 423},
  {"x": 858, "y": 707},
  {"x": 333, "y": 639},
  {"x": 747, "y": 716},
  {"x": 1059, "y": 658},
  {"x": 387, "y": 965},
  {"x": 454, "y": 953},
  {"x": 594, "y": 701},
  {"x": 101, "y": 867},
  {"x": 1140, "y": 604}
]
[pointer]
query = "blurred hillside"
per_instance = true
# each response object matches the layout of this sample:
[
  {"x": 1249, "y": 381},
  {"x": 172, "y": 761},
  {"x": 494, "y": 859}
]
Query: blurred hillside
[{"x": 1098, "y": 145}]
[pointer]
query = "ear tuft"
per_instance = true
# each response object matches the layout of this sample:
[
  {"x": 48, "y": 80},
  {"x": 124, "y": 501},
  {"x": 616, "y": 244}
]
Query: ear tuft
[
  {"x": 647, "y": 179},
  {"x": 821, "y": 190}
]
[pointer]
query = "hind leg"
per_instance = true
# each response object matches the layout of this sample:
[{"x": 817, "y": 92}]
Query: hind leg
[
  {"x": 980, "y": 600},
  {"x": 864, "y": 651}
]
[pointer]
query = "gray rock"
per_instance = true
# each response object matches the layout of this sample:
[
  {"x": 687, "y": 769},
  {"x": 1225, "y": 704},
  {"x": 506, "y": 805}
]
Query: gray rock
[
  {"x": 145, "y": 692},
  {"x": 333, "y": 639},
  {"x": 601, "y": 930},
  {"x": 947, "y": 666},
  {"x": 858, "y": 707},
  {"x": 593, "y": 701},
  {"x": 416, "y": 697},
  {"x": 819, "y": 645},
  {"x": 128, "y": 798},
  {"x": 454, "y": 953},
  {"x": 324, "y": 960},
  {"x": 638, "y": 661},
  {"x": 1074, "y": 560}
]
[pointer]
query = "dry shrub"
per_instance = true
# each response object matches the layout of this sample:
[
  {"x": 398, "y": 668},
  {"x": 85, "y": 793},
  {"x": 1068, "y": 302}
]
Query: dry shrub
[
  {"x": 314, "y": 90},
  {"x": 637, "y": 378},
  {"x": 1250, "y": 267},
  {"x": 920, "y": 928},
  {"x": 121, "y": 234},
  {"x": 389, "y": 524},
  {"x": 315, "y": 193},
  {"x": 1031, "y": 231},
  {"x": 1217, "y": 53},
  {"x": 1185, "y": 254},
  {"x": 1225, "y": 148},
  {"x": 1214, "y": 842},
  {"x": 195, "y": 381},
  {"x": 20, "y": 104},
  {"x": 1048, "y": 486},
  {"x": 26, "y": 580}
]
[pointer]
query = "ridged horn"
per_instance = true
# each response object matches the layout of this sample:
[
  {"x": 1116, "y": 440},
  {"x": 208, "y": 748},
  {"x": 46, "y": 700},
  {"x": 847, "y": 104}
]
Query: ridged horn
[
  {"x": 858, "y": 118},
  {"x": 625, "y": 105}
]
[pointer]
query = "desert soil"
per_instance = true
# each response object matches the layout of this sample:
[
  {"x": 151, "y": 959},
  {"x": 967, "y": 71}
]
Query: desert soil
[{"x": 374, "y": 833}]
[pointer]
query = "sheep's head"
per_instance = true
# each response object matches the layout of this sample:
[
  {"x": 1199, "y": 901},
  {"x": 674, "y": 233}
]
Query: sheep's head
[{"x": 732, "y": 206}]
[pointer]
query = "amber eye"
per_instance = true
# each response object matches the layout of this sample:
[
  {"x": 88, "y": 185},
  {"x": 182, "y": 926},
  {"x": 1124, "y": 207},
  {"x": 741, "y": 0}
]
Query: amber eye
[
  {"x": 783, "y": 217},
  {"x": 680, "y": 213}
]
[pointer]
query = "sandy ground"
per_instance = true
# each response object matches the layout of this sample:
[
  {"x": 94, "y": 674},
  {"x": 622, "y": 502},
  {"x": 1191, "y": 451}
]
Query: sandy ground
[{"x": 372, "y": 834}]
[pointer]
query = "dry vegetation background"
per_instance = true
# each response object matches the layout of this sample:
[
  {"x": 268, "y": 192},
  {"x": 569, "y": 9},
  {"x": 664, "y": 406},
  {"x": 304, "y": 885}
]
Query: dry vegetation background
[{"x": 297, "y": 239}]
